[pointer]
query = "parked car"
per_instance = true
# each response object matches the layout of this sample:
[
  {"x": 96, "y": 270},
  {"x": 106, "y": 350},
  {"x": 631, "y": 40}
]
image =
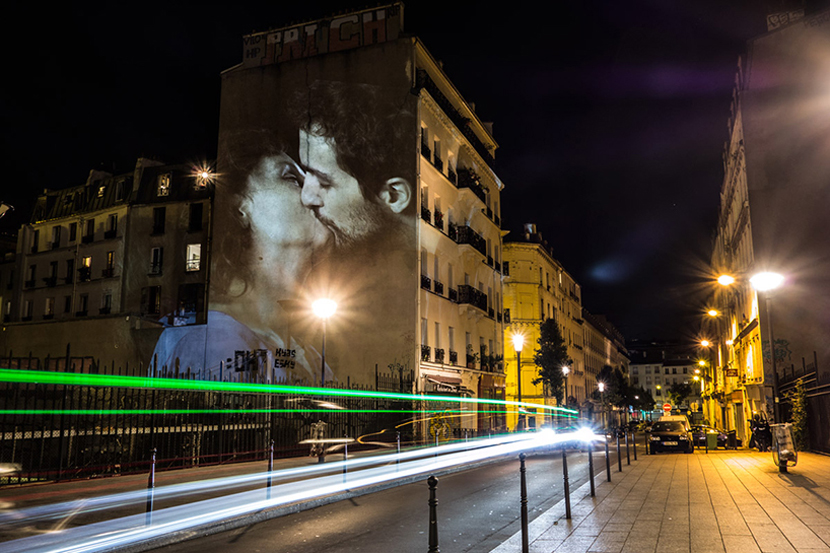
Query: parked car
[
  {"x": 670, "y": 435},
  {"x": 700, "y": 431}
]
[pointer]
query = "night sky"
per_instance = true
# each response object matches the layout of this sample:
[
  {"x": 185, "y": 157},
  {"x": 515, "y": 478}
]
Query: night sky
[{"x": 611, "y": 118}]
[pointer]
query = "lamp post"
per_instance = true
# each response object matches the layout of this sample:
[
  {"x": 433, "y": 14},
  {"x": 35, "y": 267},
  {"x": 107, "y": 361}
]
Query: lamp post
[
  {"x": 601, "y": 386},
  {"x": 766, "y": 283},
  {"x": 324, "y": 308},
  {"x": 518, "y": 343},
  {"x": 565, "y": 371}
]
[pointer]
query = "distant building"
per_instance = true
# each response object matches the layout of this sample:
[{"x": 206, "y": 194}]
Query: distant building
[
  {"x": 772, "y": 217},
  {"x": 104, "y": 266},
  {"x": 538, "y": 288}
]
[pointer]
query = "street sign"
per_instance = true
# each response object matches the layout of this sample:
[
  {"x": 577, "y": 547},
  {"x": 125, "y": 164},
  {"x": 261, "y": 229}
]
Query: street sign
[{"x": 667, "y": 407}]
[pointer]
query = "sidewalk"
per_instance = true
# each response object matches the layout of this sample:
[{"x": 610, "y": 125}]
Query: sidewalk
[{"x": 723, "y": 501}]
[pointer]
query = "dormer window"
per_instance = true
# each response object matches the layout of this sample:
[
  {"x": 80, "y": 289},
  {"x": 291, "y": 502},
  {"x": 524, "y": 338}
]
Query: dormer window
[
  {"x": 163, "y": 188},
  {"x": 101, "y": 190}
]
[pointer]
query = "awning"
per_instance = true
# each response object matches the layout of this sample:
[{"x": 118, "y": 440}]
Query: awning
[{"x": 438, "y": 379}]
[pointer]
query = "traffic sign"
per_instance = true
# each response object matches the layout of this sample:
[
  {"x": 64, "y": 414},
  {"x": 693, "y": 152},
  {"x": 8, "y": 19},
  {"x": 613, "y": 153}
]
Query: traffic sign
[{"x": 667, "y": 407}]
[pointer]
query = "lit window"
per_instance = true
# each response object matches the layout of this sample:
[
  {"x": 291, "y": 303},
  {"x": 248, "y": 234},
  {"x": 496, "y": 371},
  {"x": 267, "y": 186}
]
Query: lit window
[
  {"x": 101, "y": 190},
  {"x": 194, "y": 257},
  {"x": 163, "y": 185}
]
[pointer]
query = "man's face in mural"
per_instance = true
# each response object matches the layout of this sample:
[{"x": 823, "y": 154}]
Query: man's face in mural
[{"x": 335, "y": 196}]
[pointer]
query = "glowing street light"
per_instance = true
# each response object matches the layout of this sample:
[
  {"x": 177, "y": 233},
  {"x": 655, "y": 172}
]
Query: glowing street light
[
  {"x": 565, "y": 371},
  {"x": 518, "y": 344},
  {"x": 601, "y": 387},
  {"x": 705, "y": 343},
  {"x": 324, "y": 308},
  {"x": 713, "y": 313},
  {"x": 726, "y": 280}
]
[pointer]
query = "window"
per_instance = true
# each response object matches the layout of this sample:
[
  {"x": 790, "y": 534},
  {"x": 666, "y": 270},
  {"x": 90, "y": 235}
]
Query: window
[
  {"x": 451, "y": 341},
  {"x": 436, "y": 272},
  {"x": 86, "y": 262},
  {"x": 110, "y": 259},
  {"x": 163, "y": 185},
  {"x": 28, "y": 306},
  {"x": 30, "y": 282},
  {"x": 85, "y": 271},
  {"x": 90, "y": 231},
  {"x": 156, "y": 259},
  {"x": 83, "y": 305},
  {"x": 685, "y": 370},
  {"x": 195, "y": 221},
  {"x": 70, "y": 271},
  {"x": 194, "y": 257},
  {"x": 106, "y": 303},
  {"x": 674, "y": 370},
  {"x": 191, "y": 304},
  {"x": 49, "y": 310},
  {"x": 112, "y": 223},
  {"x": 505, "y": 268},
  {"x": 151, "y": 300},
  {"x": 437, "y": 335},
  {"x": 159, "y": 214},
  {"x": 56, "y": 236},
  {"x": 667, "y": 370},
  {"x": 67, "y": 304},
  {"x": 424, "y": 334},
  {"x": 73, "y": 231},
  {"x": 119, "y": 190},
  {"x": 101, "y": 190}
]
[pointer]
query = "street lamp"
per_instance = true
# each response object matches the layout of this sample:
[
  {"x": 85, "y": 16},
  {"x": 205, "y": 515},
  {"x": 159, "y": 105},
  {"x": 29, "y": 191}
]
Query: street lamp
[
  {"x": 767, "y": 282},
  {"x": 324, "y": 308},
  {"x": 713, "y": 313},
  {"x": 565, "y": 371},
  {"x": 705, "y": 343},
  {"x": 518, "y": 343},
  {"x": 601, "y": 386}
]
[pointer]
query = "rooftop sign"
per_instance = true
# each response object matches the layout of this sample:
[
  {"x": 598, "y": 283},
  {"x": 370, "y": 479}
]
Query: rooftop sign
[{"x": 344, "y": 32}]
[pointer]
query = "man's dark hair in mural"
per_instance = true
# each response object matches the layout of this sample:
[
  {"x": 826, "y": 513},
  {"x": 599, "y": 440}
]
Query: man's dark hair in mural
[{"x": 354, "y": 151}]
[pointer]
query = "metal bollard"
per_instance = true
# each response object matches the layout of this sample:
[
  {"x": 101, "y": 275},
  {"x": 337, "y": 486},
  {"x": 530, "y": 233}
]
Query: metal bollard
[
  {"x": 270, "y": 468},
  {"x": 151, "y": 484},
  {"x": 634, "y": 439},
  {"x": 591, "y": 467},
  {"x": 607, "y": 460},
  {"x": 565, "y": 480},
  {"x": 398, "y": 438},
  {"x": 627, "y": 451},
  {"x": 645, "y": 439},
  {"x": 619, "y": 455},
  {"x": 433, "y": 516},
  {"x": 522, "y": 472},
  {"x": 345, "y": 457}
]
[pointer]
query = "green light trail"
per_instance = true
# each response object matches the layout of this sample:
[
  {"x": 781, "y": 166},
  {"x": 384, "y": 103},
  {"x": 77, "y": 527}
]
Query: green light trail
[
  {"x": 114, "y": 381},
  {"x": 77, "y": 412}
]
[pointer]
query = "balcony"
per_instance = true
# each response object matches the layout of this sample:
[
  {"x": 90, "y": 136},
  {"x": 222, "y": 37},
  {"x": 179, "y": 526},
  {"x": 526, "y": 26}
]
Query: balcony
[
  {"x": 426, "y": 215},
  {"x": 439, "y": 288},
  {"x": 490, "y": 260},
  {"x": 467, "y": 178},
  {"x": 157, "y": 230},
  {"x": 425, "y": 151},
  {"x": 50, "y": 281},
  {"x": 472, "y": 296},
  {"x": 439, "y": 163},
  {"x": 84, "y": 274},
  {"x": 26, "y": 319},
  {"x": 105, "y": 310},
  {"x": 425, "y": 353},
  {"x": 453, "y": 295},
  {"x": 439, "y": 355},
  {"x": 498, "y": 266},
  {"x": 498, "y": 317},
  {"x": 452, "y": 176},
  {"x": 29, "y": 284},
  {"x": 69, "y": 279},
  {"x": 471, "y": 361},
  {"x": 109, "y": 272},
  {"x": 426, "y": 282},
  {"x": 491, "y": 312},
  {"x": 453, "y": 357},
  {"x": 466, "y": 235},
  {"x": 48, "y": 316},
  {"x": 497, "y": 220},
  {"x": 34, "y": 250},
  {"x": 7, "y": 318},
  {"x": 155, "y": 269},
  {"x": 489, "y": 212},
  {"x": 193, "y": 265},
  {"x": 54, "y": 245},
  {"x": 87, "y": 239},
  {"x": 81, "y": 313},
  {"x": 110, "y": 234},
  {"x": 438, "y": 220}
]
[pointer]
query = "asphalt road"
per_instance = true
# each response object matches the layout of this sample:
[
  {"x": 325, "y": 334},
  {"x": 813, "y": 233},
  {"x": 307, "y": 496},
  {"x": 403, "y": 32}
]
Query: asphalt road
[{"x": 477, "y": 510}]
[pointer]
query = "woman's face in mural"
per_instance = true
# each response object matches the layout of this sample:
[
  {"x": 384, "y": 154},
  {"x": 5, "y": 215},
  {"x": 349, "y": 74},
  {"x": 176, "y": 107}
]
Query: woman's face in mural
[{"x": 273, "y": 207}]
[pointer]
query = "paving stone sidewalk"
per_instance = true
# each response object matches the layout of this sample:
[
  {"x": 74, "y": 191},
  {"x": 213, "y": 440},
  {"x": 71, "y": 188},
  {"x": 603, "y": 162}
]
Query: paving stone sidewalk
[{"x": 720, "y": 502}]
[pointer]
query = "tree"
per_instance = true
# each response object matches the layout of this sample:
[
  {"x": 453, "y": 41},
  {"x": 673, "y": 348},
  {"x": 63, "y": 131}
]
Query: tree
[
  {"x": 551, "y": 356},
  {"x": 679, "y": 392},
  {"x": 645, "y": 401},
  {"x": 798, "y": 400}
]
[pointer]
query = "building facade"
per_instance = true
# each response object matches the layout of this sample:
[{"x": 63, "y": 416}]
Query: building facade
[
  {"x": 91, "y": 276},
  {"x": 770, "y": 220}
]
